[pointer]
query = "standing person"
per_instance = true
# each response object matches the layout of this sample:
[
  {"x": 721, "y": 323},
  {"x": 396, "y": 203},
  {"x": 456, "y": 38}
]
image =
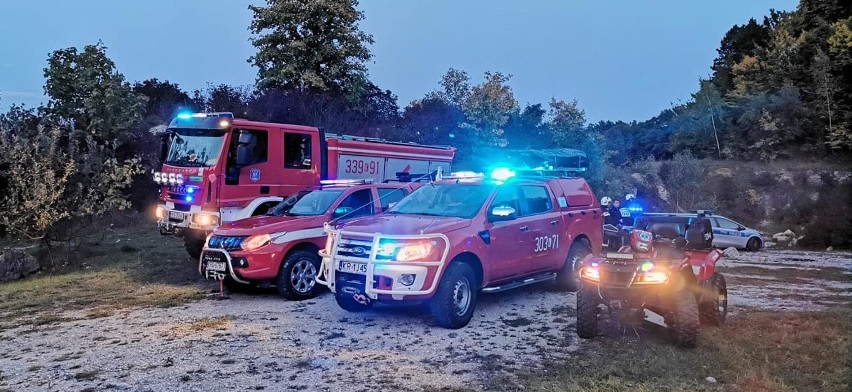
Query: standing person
[{"x": 614, "y": 210}]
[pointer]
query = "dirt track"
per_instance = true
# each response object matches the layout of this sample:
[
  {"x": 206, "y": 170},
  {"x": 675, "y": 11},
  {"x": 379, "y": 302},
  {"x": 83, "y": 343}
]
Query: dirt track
[{"x": 262, "y": 342}]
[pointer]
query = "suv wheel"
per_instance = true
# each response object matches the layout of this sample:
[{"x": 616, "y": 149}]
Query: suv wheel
[
  {"x": 588, "y": 313},
  {"x": 297, "y": 276},
  {"x": 684, "y": 323},
  {"x": 454, "y": 301},
  {"x": 569, "y": 278},
  {"x": 714, "y": 309}
]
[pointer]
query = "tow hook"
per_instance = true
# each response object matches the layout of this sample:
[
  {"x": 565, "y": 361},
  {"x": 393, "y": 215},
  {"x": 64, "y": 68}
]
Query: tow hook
[{"x": 357, "y": 295}]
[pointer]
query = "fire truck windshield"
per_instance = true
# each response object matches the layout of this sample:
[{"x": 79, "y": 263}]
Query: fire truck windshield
[
  {"x": 450, "y": 200},
  {"x": 195, "y": 147}
]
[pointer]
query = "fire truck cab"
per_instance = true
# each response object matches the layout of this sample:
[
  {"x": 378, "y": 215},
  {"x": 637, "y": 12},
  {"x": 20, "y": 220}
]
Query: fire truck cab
[{"x": 217, "y": 168}]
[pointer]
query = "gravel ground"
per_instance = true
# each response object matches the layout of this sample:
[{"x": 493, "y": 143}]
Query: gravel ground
[{"x": 260, "y": 342}]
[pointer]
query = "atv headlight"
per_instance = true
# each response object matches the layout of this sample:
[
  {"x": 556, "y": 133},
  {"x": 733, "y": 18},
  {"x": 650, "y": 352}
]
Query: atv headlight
[
  {"x": 590, "y": 273},
  {"x": 255, "y": 241}
]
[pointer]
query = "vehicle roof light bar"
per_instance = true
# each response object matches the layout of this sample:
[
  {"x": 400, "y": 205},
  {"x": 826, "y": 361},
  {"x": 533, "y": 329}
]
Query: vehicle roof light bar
[{"x": 358, "y": 181}]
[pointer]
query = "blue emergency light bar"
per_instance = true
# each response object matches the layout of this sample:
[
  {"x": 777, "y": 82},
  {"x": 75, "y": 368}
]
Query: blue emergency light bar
[{"x": 216, "y": 120}]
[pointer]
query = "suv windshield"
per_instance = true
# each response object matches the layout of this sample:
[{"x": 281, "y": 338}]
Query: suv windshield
[
  {"x": 195, "y": 147},
  {"x": 451, "y": 200},
  {"x": 308, "y": 203}
]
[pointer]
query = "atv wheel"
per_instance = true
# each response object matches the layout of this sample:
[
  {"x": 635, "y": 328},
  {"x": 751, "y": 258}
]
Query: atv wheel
[
  {"x": 753, "y": 245},
  {"x": 347, "y": 302},
  {"x": 454, "y": 301},
  {"x": 297, "y": 276},
  {"x": 569, "y": 277},
  {"x": 714, "y": 307},
  {"x": 588, "y": 313},
  {"x": 684, "y": 325}
]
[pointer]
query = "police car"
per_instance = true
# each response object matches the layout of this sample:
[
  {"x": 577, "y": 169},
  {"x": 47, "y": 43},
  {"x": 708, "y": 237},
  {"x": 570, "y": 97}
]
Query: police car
[{"x": 726, "y": 232}]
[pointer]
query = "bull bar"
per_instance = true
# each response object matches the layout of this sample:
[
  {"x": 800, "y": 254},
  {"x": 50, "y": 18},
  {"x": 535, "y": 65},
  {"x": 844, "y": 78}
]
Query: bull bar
[{"x": 327, "y": 273}]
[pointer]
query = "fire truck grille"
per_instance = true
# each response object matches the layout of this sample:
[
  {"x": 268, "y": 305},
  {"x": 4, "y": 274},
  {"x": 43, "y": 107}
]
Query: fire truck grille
[
  {"x": 354, "y": 248},
  {"x": 227, "y": 243}
]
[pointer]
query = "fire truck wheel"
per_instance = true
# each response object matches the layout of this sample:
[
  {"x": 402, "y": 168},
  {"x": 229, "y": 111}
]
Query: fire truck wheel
[
  {"x": 454, "y": 301},
  {"x": 297, "y": 276},
  {"x": 569, "y": 278},
  {"x": 683, "y": 329},
  {"x": 714, "y": 306},
  {"x": 193, "y": 245},
  {"x": 347, "y": 302},
  {"x": 588, "y": 313}
]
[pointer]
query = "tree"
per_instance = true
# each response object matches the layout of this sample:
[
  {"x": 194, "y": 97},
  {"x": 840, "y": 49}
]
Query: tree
[
  {"x": 488, "y": 107},
  {"x": 164, "y": 100},
  {"x": 432, "y": 120},
  {"x": 86, "y": 92},
  {"x": 306, "y": 44}
]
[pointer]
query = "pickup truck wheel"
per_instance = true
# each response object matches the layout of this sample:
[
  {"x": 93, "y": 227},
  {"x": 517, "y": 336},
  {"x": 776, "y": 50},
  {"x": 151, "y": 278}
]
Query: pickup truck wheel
[
  {"x": 569, "y": 278},
  {"x": 714, "y": 308},
  {"x": 684, "y": 327},
  {"x": 454, "y": 301},
  {"x": 297, "y": 275},
  {"x": 588, "y": 313}
]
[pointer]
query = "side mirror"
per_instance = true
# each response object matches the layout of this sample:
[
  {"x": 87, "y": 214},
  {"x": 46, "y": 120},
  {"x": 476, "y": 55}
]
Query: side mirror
[
  {"x": 246, "y": 139},
  {"x": 502, "y": 213},
  {"x": 741, "y": 228},
  {"x": 340, "y": 212},
  {"x": 164, "y": 146}
]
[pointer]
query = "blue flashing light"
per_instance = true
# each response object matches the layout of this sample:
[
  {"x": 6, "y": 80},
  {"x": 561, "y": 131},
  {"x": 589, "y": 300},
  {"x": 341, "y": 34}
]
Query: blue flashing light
[
  {"x": 188, "y": 198},
  {"x": 184, "y": 115},
  {"x": 502, "y": 174},
  {"x": 190, "y": 189}
]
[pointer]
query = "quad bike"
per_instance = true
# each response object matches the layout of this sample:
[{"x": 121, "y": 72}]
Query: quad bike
[{"x": 675, "y": 278}]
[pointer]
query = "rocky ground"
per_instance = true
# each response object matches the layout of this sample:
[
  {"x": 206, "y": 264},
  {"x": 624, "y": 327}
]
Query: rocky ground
[{"x": 260, "y": 342}]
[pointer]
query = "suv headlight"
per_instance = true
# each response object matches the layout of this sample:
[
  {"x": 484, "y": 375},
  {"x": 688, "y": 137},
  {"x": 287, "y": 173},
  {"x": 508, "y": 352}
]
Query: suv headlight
[{"x": 255, "y": 241}]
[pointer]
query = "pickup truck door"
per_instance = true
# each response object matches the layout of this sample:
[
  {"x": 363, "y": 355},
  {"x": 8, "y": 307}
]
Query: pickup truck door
[
  {"x": 509, "y": 239},
  {"x": 543, "y": 251}
]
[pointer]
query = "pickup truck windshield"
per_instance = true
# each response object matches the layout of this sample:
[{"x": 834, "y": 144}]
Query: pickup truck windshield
[
  {"x": 450, "y": 200},
  {"x": 314, "y": 203},
  {"x": 195, "y": 147}
]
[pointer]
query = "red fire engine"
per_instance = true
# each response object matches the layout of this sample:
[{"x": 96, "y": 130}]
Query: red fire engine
[{"x": 217, "y": 168}]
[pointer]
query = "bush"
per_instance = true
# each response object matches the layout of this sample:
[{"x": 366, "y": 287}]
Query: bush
[{"x": 55, "y": 178}]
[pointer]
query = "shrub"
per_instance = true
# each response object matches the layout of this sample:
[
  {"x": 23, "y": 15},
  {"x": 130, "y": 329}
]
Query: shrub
[{"x": 55, "y": 178}]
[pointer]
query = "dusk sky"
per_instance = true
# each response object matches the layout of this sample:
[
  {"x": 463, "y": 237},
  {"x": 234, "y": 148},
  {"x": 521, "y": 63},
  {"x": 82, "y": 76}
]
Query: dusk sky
[{"x": 622, "y": 60}]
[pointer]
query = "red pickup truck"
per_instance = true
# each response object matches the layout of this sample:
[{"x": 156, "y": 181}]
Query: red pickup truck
[
  {"x": 280, "y": 248},
  {"x": 451, "y": 239}
]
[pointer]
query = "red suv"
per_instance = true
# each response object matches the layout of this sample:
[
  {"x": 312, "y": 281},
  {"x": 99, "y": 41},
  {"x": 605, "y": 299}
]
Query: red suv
[
  {"x": 281, "y": 247},
  {"x": 451, "y": 239}
]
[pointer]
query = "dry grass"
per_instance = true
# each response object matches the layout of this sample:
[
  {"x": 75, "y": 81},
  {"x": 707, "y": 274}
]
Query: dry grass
[
  {"x": 758, "y": 351},
  {"x": 202, "y": 324},
  {"x": 104, "y": 279}
]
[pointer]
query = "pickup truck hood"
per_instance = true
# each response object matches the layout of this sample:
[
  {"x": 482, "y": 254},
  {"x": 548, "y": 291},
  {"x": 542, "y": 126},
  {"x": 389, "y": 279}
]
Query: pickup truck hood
[
  {"x": 404, "y": 224},
  {"x": 268, "y": 225}
]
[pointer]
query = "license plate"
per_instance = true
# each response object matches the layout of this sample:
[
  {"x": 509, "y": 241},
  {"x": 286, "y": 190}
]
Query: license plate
[
  {"x": 351, "y": 267},
  {"x": 218, "y": 266},
  {"x": 176, "y": 216}
]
